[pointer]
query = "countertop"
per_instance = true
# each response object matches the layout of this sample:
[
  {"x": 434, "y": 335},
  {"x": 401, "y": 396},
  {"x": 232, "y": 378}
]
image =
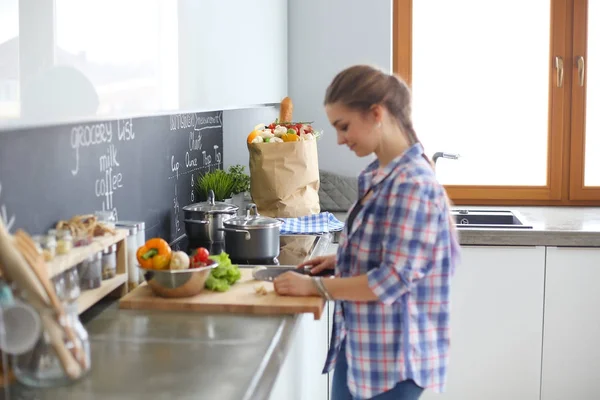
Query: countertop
[
  {"x": 138, "y": 354},
  {"x": 552, "y": 226},
  {"x": 175, "y": 355}
]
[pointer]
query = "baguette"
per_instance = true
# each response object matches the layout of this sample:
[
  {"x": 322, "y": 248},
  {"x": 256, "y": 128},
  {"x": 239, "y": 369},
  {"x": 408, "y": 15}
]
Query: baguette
[{"x": 286, "y": 110}]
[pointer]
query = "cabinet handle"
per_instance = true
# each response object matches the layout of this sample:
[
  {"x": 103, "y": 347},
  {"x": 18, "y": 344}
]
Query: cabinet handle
[
  {"x": 558, "y": 63},
  {"x": 581, "y": 70}
]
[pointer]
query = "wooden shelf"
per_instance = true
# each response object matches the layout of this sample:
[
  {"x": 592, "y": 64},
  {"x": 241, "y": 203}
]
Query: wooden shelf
[
  {"x": 88, "y": 298},
  {"x": 63, "y": 262}
]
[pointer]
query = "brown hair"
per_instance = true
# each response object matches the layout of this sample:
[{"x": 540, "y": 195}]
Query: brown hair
[{"x": 360, "y": 87}]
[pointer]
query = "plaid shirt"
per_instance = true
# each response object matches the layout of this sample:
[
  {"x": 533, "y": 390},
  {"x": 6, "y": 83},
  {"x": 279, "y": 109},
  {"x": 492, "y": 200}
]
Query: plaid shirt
[{"x": 403, "y": 241}]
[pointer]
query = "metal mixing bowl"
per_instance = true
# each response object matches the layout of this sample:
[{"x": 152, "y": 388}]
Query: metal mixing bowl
[{"x": 177, "y": 283}]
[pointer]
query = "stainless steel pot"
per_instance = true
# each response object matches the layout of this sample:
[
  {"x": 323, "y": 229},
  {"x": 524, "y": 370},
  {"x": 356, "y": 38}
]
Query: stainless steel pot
[
  {"x": 252, "y": 237},
  {"x": 204, "y": 221}
]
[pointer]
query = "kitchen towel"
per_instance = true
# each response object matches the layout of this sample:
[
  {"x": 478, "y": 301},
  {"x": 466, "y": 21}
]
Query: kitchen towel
[{"x": 311, "y": 224}]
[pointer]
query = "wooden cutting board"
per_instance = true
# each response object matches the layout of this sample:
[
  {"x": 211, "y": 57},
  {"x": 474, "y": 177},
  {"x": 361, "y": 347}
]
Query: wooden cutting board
[{"x": 241, "y": 298}]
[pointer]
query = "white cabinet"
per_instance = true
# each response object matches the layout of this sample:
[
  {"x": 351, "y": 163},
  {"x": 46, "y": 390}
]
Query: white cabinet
[
  {"x": 232, "y": 53},
  {"x": 496, "y": 322},
  {"x": 300, "y": 377},
  {"x": 571, "y": 355}
]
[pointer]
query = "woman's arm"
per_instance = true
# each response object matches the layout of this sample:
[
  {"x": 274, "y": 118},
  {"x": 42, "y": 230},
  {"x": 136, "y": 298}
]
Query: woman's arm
[{"x": 355, "y": 288}]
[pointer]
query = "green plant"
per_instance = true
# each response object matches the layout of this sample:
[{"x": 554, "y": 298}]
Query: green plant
[
  {"x": 240, "y": 178},
  {"x": 219, "y": 181}
]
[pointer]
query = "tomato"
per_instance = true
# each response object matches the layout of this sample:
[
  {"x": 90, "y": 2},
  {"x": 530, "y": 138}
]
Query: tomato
[{"x": 201, "y": 255}]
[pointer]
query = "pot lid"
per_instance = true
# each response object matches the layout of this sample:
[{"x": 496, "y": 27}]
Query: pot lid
[
  {"x": 212, "y": 206},
  {"x": 252, "y": 221}
]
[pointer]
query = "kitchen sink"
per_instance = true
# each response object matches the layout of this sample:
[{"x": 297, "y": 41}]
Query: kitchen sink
[{"x": 498, "y": 219}]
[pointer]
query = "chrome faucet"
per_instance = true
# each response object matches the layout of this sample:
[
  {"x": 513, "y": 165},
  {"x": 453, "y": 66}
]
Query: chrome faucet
[{"x": 440, "y": 154}]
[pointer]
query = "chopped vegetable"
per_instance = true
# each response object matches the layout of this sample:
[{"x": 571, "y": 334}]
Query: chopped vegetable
[
  {"x": 179, "y": 260},
  {"x": 154, "y": 254},
  {"x": 224, "y": 275}
]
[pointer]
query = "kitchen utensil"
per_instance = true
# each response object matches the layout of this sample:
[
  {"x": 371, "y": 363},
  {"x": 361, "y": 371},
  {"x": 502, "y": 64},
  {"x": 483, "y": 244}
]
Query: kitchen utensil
[
  {"x": 21, "y": 324},
  {"x": 177, "y": 283},
  {"x": 204, "y": 221},
  {"x": 252, "y": 237},
  {"x": 16, "y": 269},
  {"x": 270, "y": 273},
  {"x": 242, "y": 297}
]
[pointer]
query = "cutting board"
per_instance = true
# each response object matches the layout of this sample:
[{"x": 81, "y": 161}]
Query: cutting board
[{"x": 240, "y": 298}]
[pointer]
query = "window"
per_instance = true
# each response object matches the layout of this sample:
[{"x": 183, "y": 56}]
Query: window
[{"x": 509, "y": 85}]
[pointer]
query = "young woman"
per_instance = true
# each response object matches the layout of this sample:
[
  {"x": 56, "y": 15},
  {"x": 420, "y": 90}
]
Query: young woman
[{"x": 396, "y": 255}]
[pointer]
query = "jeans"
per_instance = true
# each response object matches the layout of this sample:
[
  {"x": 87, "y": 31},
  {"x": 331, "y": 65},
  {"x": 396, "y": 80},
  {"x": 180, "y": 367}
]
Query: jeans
[{"x": 405, "y": 390}]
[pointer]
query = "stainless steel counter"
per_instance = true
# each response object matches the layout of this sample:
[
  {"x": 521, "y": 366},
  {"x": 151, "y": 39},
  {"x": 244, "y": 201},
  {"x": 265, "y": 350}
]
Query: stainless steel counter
[{"x": 178, "y": 355}]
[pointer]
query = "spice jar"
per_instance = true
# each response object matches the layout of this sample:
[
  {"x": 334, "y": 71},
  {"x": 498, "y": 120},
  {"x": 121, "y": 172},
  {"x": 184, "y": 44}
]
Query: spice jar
[
  {"x": 140, "y": 240},
  {"x": 64, "y": 241},
  {"x": 72, "y": 285},
  {"x": 109, "y": 262},
  {"x": 90, "y": 275},
  {"x": 107, "y": 218},
  {"x": 133, "y": 276},
  {"x": 49, "y": 247},
  {"x": 43, "y": 365}
]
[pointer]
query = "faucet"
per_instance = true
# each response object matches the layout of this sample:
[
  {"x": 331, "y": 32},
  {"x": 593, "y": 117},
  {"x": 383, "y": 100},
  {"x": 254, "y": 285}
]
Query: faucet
[{"x": 450, "y": 156}]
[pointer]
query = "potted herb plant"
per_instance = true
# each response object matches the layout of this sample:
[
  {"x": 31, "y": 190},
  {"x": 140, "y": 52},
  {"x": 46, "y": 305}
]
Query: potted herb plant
[
  {"x": 241, "y": 184},
  {"x": 221, "y": 183}
]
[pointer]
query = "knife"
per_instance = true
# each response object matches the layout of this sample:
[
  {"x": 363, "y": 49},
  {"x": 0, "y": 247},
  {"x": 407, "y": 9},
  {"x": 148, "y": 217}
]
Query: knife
[{"x": 270, "y": 273}]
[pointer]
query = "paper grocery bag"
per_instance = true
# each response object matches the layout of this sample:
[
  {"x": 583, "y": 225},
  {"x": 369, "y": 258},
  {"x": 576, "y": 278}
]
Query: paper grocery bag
[{"x": 284, "y": 178}]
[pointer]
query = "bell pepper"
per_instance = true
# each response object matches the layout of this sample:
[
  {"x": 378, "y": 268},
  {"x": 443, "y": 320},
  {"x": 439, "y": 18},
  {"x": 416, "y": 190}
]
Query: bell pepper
[{"x": 154, "y": 254}]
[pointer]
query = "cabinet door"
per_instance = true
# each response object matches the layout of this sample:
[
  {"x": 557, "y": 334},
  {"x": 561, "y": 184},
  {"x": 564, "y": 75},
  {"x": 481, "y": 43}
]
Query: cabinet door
[
  {"x": 300, "y": 376},
  {"x": 571, "y": 356},
  {"x": 496, "y": 322}
]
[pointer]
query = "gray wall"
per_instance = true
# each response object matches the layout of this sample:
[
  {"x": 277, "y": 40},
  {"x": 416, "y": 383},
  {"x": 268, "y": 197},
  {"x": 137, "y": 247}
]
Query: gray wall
[
  {"x": 237, "y": 124},
  {"x": 324, "y": 37}
]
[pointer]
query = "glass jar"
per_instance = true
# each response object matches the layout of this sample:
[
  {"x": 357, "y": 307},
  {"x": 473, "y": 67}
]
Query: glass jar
[
  {"x": 133, "y": 275},
  {"x": 60, "y": 286},
  {"x": 49, "y": 247},
  {"x": 106, "y": 217},
  {"x": 72, "y": 285},
  {"x": 140, "y": 240},
  {"x": 109, "y": 262},
  {"x": 90, "y": 276},
  {"x": 42, "y": 366},
  {"x": 64, "y": 241}
]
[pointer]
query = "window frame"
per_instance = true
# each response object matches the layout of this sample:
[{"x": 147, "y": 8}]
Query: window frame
[{"x": 566, "y": 113}]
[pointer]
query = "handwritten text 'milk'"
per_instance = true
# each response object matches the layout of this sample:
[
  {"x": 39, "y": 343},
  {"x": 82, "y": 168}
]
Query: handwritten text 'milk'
[{"x": 97, "y": 134}]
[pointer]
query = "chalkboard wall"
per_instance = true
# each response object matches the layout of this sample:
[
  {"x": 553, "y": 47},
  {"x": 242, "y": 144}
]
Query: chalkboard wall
[{"x": 143, "y": 169}]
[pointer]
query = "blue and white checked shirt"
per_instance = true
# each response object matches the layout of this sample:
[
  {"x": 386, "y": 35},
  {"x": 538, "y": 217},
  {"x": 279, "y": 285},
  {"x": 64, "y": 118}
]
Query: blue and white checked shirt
[{"x": 403, "y": 241}]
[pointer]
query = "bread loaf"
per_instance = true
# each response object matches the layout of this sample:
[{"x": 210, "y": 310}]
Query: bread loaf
[{"x": 286, "y": 110}]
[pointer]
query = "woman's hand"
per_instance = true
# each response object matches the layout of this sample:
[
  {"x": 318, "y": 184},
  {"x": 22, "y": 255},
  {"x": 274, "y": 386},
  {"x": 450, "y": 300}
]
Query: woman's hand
[
  {"x": 294, "y": 284},
  {"x": 319, "y": 264}
]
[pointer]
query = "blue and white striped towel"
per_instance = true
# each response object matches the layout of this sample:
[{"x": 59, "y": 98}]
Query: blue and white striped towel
[{"x": 311, "y": 224}]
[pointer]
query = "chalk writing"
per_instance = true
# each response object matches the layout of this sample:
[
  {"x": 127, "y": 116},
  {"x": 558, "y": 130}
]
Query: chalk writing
[
  {"x": 125, "y": 129},
  {"x": 195, "y": 141},
  {"x": 217, "y": 154},
  {"x": 206, "y": 158},
  {"x": 111, "y": 181},
  {"x": 182, "y": 121},
  {"x": 175, "y": 166},
  {"x": 8, "y": 221},
  {"x": 176, "y": 211},
  {"x": 192, "y": 192},
  {"x": 190, "y": 162},
  {"x": 89, "y": 135}
]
